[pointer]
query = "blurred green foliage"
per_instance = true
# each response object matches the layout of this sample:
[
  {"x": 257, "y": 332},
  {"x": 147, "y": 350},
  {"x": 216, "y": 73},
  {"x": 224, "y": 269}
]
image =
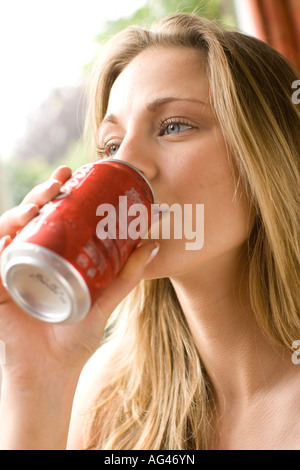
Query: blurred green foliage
[
  {"x": 22, "y": 174},
  {"x": 153, "y": 10}
]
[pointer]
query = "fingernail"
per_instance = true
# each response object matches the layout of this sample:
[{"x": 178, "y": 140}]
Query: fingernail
[
  {"x": 49, "y": 184},
  {"x": 153, "y": 253},
  {"x": 27, "y": 207}
]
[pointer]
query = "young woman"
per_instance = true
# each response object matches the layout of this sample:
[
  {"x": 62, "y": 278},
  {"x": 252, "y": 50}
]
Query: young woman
[{"x": 199, "y": 355}]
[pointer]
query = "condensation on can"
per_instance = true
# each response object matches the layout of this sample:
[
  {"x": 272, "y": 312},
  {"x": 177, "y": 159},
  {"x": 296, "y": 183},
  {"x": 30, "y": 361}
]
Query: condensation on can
[{"x": 57, "y": 267}]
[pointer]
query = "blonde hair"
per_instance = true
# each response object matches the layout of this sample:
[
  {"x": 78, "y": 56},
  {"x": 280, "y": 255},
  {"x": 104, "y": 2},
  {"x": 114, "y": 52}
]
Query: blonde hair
[{"x": 155, "y": 393}]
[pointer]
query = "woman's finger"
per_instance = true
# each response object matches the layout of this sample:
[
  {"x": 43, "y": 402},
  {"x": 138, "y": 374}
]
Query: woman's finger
[
  {"x": 62, "y": 174},
  {"x": 45, "y": 192},
  {"x": 4, "y": 242},
  {"x": 16, "y": 218}
]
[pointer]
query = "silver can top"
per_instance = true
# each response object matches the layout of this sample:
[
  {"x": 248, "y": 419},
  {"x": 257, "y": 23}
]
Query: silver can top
[{"x": 44, "y": 284}]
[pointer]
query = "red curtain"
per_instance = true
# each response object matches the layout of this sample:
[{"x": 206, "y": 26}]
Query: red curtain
[{"x": 278, "y": 23}]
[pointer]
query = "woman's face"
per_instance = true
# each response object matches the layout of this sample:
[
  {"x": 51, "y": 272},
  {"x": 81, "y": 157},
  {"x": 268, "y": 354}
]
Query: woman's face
[{"x": 160, "y": 120}]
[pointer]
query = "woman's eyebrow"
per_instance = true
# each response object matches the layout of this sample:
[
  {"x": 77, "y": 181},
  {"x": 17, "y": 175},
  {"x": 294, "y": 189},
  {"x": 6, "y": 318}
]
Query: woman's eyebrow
[
  {"x": 110, "y": 118},
  {"x": 153, "y": 106}
]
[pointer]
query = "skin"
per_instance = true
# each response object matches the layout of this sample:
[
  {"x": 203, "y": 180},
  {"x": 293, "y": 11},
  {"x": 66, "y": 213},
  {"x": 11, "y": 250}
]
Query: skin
[
  {"x": 190, "y": 165},
  {"x": 44, "y": 361},
  {"x": 159, "y": 119}
]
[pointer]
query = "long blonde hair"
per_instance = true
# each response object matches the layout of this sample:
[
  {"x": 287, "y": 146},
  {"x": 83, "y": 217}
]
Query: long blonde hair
[{"x": 154, "y": 392}]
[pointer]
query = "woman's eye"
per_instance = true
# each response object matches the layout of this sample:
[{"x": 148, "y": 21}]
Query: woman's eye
[
  {"x": 175, "y": 128},
  {"x": 108, "y": 150},
  {"x": 111, "y": 149}
]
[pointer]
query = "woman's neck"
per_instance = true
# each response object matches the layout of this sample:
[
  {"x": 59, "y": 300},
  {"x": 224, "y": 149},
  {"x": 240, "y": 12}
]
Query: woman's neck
[{"x": 238, "y": 358}]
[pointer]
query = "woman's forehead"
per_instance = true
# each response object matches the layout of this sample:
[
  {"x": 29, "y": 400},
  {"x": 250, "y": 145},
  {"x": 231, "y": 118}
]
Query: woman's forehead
[{"x": 160, "y": 72}]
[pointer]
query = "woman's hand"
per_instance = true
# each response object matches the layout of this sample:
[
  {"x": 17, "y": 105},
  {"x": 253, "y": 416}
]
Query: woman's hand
[{"x": 43, "y": 356}]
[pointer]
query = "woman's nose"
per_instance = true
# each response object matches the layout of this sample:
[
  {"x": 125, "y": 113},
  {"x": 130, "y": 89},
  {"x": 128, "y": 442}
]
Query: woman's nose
[{"x": 139, "y": 154}]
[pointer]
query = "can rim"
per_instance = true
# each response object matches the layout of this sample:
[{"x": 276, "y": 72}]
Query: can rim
[
  {"x": 111, "y": 159},
  {"x": 69, "y": 278}
]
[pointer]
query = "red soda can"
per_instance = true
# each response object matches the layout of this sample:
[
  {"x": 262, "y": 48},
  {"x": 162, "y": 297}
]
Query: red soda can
[{"x": 60, "y": 262}]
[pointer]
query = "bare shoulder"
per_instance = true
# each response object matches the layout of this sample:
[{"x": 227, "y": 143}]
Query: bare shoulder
[{"x": 84, "y": 396}]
